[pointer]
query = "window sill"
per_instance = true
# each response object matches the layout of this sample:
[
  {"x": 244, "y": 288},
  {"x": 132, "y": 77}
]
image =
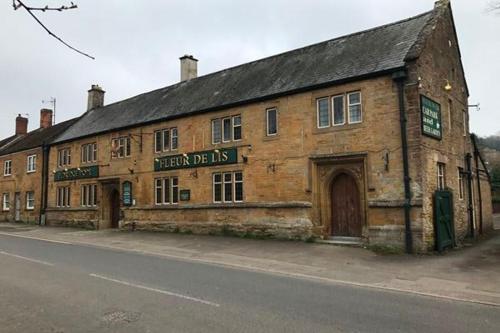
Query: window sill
[
  {"x": 338, "y": 128},
  {"x": 30, "y": 172},
  {"x": 271, "y": 137}
]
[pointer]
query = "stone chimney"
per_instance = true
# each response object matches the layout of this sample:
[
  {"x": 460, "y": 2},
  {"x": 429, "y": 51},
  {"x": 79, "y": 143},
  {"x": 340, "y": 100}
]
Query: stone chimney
[
  {"x": 21, "y": 125},
  {"x": 189, "y": 67},
  {"x": 96, "y": 97},
  {"x": 46, "y": 118},
  {"x": 441, "y": 3}
]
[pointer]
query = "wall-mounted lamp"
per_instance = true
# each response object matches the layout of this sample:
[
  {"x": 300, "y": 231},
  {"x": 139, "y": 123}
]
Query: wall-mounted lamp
[
  {"x": 53, "y": 171},
  {"x": 185, "y": 155},
  {"x": 447, "y": 87},
  {"x": 245, "y": 158},
  {"x": 216, "y": 151},
  {"x": 157, "y": 160},
  {"x": 78, "y": 169},
  {"x": 65, "y": 169}
]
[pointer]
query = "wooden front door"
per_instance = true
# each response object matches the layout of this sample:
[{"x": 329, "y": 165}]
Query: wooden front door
[
  {"x": 114, "y": 208},
  {"x": 346, "y": 207}
]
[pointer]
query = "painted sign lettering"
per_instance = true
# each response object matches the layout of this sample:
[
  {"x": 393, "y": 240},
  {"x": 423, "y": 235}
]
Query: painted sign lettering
[
  {"x": 431, "y": 118},
  {"x": 77, "y": 173},
  {"x": 197, "y": 159}
]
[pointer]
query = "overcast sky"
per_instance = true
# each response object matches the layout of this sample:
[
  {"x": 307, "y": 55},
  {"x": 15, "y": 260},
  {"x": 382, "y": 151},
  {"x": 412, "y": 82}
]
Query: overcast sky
[{"x": 137, "y": 45}]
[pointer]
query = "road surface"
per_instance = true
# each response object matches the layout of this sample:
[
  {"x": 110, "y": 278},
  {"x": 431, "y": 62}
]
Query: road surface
[{"x": 50, "y": 286}]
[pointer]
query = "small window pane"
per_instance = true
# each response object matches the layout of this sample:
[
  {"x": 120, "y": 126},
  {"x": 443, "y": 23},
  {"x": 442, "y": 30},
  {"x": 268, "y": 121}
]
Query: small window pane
[
  {"x": 166, "y": 191},
  {"x": 323, "y": 114},
  {"x": 217, "y": 178},
  {"x": 338, "y": 110},
  {"x": 166, "y": 140},
  {"x": 175, "y": 139},
  {"x": 272, "y": 122},
  {"x": 158, "y": 142},
  {"x": 227, "y": 129},
  {"x": 237, "y": 128},
  {"x": 216, "y": 131}
]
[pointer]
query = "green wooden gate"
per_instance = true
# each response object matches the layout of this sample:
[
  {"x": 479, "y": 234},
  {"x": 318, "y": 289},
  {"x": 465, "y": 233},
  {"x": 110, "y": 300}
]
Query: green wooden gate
[{"x": 443, "y": 220}]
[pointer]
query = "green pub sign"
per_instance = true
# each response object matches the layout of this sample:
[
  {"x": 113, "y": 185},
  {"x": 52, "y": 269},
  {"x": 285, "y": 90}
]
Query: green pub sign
[
  {"x": 77, "y": 173},
  {"x": 197, "y": 159},
  {"x": 431, "y": 118},
  {"x": 127, "y": 193}
]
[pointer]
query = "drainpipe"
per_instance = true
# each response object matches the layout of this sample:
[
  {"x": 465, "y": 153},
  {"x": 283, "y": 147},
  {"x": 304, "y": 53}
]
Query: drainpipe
[
  {"x": 400, "y": 78},
  {"x": 45, "y": 182},
  {"x": 468, "y": 158},
  {"x": 478, "y": 175}
]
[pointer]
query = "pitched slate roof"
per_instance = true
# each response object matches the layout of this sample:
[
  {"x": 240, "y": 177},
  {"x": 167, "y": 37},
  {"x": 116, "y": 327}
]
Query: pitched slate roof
[
  {"x": 37, "y": 138},
  {"x": 361, "y": 54},
  {"x": 8, "y": 140}
]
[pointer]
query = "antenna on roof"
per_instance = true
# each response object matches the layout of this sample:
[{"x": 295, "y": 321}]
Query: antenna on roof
[{"x": 52, "y": 101}]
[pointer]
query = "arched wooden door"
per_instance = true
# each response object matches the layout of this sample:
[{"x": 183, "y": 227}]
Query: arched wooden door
[
  {"x": 114, "y": 208},
  {"x": 346, "y": 207}
]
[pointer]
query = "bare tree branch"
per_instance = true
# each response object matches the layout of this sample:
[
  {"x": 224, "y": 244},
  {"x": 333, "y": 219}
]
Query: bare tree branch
[
  {"x": 43, "y": 9},
  {"x": 16, "y": 4}
]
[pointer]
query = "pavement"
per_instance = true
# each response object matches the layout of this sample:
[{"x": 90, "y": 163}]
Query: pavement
[
  {"x": 470, "y": 274},
  {"x": 67, "y": 280}
]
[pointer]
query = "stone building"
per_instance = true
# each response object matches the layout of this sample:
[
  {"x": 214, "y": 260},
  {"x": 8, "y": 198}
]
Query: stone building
[
  {"x": 22, "y": 176},
  {"x": 347, "y": 139}
]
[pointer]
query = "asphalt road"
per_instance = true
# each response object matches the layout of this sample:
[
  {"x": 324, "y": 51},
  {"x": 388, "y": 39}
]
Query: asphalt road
[{"x": 57, "y": 287}]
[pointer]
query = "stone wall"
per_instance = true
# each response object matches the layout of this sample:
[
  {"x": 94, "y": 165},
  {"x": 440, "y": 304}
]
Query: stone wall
[{"x": 21, "y": 182}]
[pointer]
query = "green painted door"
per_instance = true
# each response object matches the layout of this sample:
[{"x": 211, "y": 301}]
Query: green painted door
[{"x": 443, "y": 220}]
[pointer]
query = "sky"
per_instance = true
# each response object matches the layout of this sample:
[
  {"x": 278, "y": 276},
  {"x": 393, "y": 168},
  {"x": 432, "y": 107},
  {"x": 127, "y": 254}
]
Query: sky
[{"x": 137, "y": 45}]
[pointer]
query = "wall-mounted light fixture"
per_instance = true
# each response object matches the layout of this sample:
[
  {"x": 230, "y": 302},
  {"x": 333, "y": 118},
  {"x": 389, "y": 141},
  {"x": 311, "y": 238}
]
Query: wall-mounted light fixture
[
  {"x": 245, "y": 158},
  {"x": 448, "y": 86}
]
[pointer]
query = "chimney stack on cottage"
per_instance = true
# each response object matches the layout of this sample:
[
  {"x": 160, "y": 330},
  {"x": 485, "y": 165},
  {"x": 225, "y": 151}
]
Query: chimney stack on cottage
[
  {"x": 46, "y": 118},
  {"x": 96, "y": 97},
  {"x": 189, "y": 67},
  {"x": 21, "y": 125}
]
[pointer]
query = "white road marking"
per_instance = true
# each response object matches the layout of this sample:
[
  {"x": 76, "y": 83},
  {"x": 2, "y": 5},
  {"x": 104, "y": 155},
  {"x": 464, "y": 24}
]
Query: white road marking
[
  {"x": 35, "y": 238},
  {"x": 161, "y": 291},
  {"x": 26, "y": 258}
]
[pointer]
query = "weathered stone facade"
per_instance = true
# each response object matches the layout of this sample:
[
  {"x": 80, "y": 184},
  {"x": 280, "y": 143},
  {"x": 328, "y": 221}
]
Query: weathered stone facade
[{"x": 18, "y": 184}]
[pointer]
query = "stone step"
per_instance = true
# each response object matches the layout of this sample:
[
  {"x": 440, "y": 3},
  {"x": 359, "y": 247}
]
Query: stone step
[{"x": 340, "y": 240}]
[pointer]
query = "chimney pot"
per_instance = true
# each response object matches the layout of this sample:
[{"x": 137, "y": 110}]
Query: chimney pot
[
  {"x": 189, "y": 67},
  {"x": 21, "y": 125},
  {"x": 95, "y": 97},
  {"x": 46, "y": 118}
]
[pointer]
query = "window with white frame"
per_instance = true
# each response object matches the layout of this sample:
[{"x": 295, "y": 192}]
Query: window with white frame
[
  {"x": 338, "y": 110},
  {"x": 63, "y": 196},
  {"x": 6, "y": 202},
  {"x": 271, "y": 122},
  {"x": 354, "y": 107},
  {"x": 166, "y": 191},
  {"x": 228, "y": 187},
  {"x": 31, "y": 164},
  {"x": 89, "y": 153},
  {"x": 30, "y": 200},
  {"x": 441, "y": 177},
  {"x": 7, "y": 168},
  {"x": 120, "y": 147},
  {"x": 461, "y": 184},
  {"x": 88, "y": 195},
  {"x": 323, "y": 113},
  {"x": 226, "y": 129},
  {"x": 63, "y": 157},
  {"x": 166, "y": 140}
]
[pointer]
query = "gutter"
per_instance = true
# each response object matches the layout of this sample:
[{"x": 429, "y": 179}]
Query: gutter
[
  {"x": 45, "y": 183},
  {"x": 400, "y": 78},
  {"x": 468, "y": 161}
]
